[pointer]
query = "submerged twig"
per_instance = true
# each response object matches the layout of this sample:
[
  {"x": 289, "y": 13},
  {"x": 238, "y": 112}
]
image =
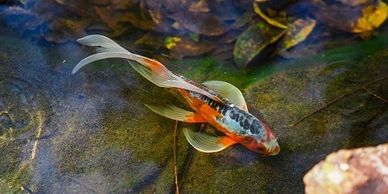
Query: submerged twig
[
  {"x": 187, "y": 161},
  {"x": 375, "y": 95},
  {"x": 186, "y": 165},
  {"x": 321, "y": 108},
  {"x": 363, "y": 87},
  {"x": 34, "y": 150},
  {"x": 38, "y": 135},
  {"x": 175, "y": 159}
]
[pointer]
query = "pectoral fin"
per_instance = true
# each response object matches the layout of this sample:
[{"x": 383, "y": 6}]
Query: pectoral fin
[
  {"x": 176, "y": 113},
  {"x": 227, "y": 91},
  {"x": 206, "y": 143}
]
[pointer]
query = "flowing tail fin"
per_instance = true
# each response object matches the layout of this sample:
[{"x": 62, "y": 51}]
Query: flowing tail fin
[{"x": 151, "y": 69}]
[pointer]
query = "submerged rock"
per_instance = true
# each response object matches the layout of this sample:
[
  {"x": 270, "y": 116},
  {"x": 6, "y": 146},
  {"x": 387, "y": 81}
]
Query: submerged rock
[{"x": 363, "y": 170}]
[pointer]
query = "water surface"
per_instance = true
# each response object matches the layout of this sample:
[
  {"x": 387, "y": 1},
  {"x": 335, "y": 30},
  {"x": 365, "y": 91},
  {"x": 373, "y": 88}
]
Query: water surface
[{"x": 91, "y": 133}]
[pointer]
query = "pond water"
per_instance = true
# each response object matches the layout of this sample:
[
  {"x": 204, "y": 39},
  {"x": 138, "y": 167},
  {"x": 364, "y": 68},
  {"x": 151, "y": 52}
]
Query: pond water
[{"x": 91, "y": 133}]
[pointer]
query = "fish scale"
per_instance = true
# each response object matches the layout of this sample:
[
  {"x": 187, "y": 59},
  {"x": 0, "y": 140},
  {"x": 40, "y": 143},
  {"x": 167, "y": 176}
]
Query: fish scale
[{"x": 234, "y": 118}]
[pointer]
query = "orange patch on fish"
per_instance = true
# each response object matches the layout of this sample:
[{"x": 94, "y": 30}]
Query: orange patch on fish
[
  {"x": 156, "y": 66},
  {"x": 194, "y": 103},
  {"x": 205, "y": 109},
  {"x": 226, "y": 141},
  {"x": 195, "y": 118}
]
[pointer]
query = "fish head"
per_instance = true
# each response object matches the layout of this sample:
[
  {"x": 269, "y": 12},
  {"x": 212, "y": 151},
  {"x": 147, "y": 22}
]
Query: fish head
[
  {"x": 267, "y": 148},
  {"x": 272, "y": 147},
  {"x": 266, "y": 145},
  {"x": 270, "y": 143}
]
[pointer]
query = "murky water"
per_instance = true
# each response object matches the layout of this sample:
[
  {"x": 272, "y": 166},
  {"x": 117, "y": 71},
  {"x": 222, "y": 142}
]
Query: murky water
[{"x": 91, "y": 133}]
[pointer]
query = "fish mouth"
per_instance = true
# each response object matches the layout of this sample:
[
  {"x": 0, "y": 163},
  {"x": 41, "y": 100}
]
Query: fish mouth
[
  {"x": 274, "y": 151},
  {"x": 273, "y": 148}
]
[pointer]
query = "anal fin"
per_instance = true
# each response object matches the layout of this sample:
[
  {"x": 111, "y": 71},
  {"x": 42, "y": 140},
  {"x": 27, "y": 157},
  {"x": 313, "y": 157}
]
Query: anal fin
[
  {"x": 206, "y": 143},
  {"x": 176, "y": 113}
]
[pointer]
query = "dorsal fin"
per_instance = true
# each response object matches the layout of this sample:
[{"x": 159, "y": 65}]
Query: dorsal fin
[{"x": 227, "y": 91}]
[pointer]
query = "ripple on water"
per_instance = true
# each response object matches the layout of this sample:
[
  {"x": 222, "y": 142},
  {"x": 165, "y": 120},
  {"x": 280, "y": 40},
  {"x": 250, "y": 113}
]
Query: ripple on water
[
  {"x": 20, "y": 104},
  {"x": 22, "y": 117}
]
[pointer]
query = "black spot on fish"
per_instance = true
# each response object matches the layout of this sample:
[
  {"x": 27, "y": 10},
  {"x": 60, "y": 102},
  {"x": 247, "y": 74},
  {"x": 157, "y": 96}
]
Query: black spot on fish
[
  {"x": 214, "y": 105},
  {"x": 255, "y": 127},
  {"x": 229, "y": 113},
  {"x": 237, "y": 117},
  {"x": 241, "y": 123},
  {"x": 241, "y": 119},
  {"x": 224, "y": 110},
  {"x": 232, "y": 114},
  {"x": 246, "y": 124}
]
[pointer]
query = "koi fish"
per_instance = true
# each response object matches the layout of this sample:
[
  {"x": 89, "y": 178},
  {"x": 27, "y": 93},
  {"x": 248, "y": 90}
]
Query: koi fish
[{"x": 217, "y": 103}]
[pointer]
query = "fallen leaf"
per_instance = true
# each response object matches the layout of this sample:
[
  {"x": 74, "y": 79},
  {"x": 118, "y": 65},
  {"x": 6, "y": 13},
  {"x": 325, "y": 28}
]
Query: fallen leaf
[
  {"x": 201, "y": 23},
  {"x": 156, "y": 41},
  {"x": 106, "y": 17},
  {"x": 266, "y": 18},
  {"x": 110, "y": 18},
  {"x": 229, "y": 37},
  {"x": 171, "y": 42},
  {"x": 120, "y": 4},
  {"x": 354, "y": 2},
  {"x": 156, "y": 16},
  {"x": 186, "y": 47},
  {"x": 173, "y": 6},
  {"x": 243, "y": 20},
  {"x": 337, "y": 17},
  {"x": 199, "y": 6},
  {"x": 359, "y": 19},
  {"x": 195, "y": 37},
  {"x": 371, "y": 18},
  {"x": 253, "y": 41},
  {"x": 223, "y": 52},
  {"x": 63, "y": 30},
  {"x": 297, "y": 32},
  {"x": 47, "y": 10},
  {"x": 138, "y": 22}
]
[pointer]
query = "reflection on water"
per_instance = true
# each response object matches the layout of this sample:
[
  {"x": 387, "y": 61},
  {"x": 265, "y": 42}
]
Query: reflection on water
[{"x": 91, "y": 133}]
